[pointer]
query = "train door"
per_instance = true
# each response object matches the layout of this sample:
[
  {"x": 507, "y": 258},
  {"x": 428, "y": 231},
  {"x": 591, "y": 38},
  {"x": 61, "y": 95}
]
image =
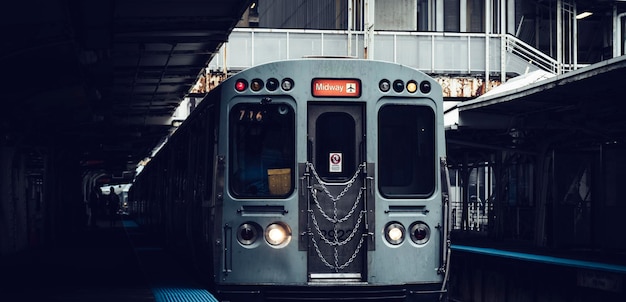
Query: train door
[{"x": 335, "y": 175}]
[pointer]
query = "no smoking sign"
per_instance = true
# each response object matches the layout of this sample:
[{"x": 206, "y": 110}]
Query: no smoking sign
[{"x": 334, "y": 161}]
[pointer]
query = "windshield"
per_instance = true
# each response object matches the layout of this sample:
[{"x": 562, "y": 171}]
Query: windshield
[{"x": 262, "y": 150}]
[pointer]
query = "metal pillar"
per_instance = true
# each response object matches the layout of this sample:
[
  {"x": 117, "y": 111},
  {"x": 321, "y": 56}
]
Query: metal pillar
[{"x": 368, "y": 41}]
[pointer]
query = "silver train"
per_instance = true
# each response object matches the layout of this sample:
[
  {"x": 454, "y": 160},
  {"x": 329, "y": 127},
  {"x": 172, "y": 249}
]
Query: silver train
[{"x": 308, "y": 179}]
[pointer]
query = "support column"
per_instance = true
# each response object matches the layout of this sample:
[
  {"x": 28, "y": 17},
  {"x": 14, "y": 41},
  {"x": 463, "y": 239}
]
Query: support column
[{"x": 368, "y": 41}]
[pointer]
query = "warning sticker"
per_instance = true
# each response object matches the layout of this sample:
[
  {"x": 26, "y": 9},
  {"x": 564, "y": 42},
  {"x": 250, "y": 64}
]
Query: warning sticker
[{"x": 334, "y": 161}]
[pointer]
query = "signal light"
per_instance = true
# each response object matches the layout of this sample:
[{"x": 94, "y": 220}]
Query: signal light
[
  {"x": 398, "y": 85},
  {"x": 425, "y": 87},
  {"x": 384, "y": 85},
  {"x": 420, "y": 233},
  {"x": 272, "y": 84},
  {"x": 287, "y": 84},
  {"x": 256, "y": 85},
  {"x": 411, "y": 86},
  {"x": 241, "y": 85}
]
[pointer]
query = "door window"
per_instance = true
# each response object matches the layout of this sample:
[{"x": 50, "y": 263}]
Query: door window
[{"x": 335, "y": 148}]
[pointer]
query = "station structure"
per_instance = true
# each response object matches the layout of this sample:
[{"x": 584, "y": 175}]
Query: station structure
[{"x": 535, "y": 130}]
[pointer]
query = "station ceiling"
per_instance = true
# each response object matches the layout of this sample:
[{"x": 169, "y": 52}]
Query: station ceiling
[
  {"x": 104, "y": 77},
  {"x": 578, "y": 110}
]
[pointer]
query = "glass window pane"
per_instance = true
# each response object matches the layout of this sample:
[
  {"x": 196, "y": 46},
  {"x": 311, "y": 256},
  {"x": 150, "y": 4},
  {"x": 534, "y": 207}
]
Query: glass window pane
[
  {"x": 335, "y": 134},
  {"x": 406, "y": 150},
  {"x": 451, "y": 20},
  {"x": 262, "y": 150}
]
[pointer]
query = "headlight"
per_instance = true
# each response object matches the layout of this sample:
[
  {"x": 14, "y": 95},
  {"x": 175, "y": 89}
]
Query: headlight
[
  {"x": 394, "y": 233},
  {"x": 248, "y": 233},
  {"x": 277, "y": 234},
  {"x": 420, "y": 232}
]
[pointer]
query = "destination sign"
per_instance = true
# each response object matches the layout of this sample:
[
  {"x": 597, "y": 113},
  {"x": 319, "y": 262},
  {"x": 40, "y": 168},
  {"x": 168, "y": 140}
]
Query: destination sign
[{"x": 350, "y": 88}]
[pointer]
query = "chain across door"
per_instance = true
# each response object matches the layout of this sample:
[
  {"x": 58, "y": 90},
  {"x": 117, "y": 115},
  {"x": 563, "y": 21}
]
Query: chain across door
[{"x": 336, "y": 192}]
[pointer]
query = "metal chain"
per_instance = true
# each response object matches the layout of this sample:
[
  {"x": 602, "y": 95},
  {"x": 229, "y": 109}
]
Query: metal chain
[
  {"x": 350, "y": 182},
  {"x": 335, "y": 243},
  {"x": 322, "y": 258},
  {"x": 334, "y": 219},
  {"x": 337, "y": 267}
]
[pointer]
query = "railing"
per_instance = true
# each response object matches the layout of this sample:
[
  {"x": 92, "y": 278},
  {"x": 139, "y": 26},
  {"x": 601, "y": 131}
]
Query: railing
[
  {"x": 431, "y": 52},
  {"x": 533, "y": 56}
]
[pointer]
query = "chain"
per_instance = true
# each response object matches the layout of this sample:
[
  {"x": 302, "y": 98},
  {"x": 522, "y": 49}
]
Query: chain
[
  {"x": 319, "y": 180},
  {"x": 336, "y": 242},
  {"x": 335, "y": 221},
  {"x": 337, "y": 267}
]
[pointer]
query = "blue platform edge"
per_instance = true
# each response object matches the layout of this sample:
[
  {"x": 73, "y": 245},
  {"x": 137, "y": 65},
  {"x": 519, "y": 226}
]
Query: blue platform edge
[
  {"x": 173, "y": 293},
  {"x": 541, "y": 258},
  {"x": 169, "y": 294}
]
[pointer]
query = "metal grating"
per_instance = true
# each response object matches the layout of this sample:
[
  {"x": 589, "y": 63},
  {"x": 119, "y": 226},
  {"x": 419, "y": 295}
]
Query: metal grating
[{"x": 171, "y": 294}]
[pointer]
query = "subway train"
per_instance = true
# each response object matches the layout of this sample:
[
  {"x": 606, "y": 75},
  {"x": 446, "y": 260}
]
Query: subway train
[{"x": 307, "y": 179}]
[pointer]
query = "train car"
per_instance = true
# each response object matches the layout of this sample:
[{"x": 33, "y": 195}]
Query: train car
[{"x": 316, "y": 178}]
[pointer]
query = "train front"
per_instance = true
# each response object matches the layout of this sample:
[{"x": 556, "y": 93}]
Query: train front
[{"x": 328, "y": 183}]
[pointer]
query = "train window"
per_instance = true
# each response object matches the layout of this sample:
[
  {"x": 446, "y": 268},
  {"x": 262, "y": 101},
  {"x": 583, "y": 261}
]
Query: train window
[
  {"x": 335, "y": 133},
  {"x": 406, "y": 150},
  {"x": 262, "y": 150}
]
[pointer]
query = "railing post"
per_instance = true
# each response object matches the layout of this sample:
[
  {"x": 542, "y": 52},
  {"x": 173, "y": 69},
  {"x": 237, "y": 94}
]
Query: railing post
[
  {"x": 559, "y": 35},
  {"x": 469, "y": 54},
  {"x": 487, "y": 27},
  {"x": 503, "y": 17},
  {"x": 252, "y": 48}
]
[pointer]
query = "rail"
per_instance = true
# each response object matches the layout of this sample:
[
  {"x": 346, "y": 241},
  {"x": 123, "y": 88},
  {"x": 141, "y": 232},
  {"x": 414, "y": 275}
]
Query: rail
[
  {"x": 431, "y": 52},
  {"x": 532, "y": 55}
]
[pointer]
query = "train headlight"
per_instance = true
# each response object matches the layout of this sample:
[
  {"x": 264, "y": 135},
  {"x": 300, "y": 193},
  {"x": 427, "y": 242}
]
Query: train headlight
[
  {"x": 277, "y": 234},
  {"x": 420, "y": 232},
  {"x": 394, "y": 233},
  {"x": 248, "y": 233}
]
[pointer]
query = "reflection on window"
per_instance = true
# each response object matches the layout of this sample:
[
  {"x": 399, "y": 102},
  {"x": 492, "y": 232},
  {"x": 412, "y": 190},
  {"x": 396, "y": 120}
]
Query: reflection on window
[
  {"x": 406, "y": 150},
  {"x": 261, "y": 150},
  {"x": 335, "y": 134}
]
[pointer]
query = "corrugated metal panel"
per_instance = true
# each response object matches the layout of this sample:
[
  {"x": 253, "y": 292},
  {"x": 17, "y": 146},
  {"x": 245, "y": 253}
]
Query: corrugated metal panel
[{"x": 396, "y": 15}]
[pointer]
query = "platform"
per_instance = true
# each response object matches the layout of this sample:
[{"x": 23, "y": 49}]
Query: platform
[{"x": 106, "y": 263}]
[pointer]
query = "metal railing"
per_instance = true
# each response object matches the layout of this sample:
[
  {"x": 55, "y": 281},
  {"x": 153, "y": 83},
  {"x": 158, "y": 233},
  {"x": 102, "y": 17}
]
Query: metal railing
[
  {"x": 532, "y": 55},
  {"x": 431, "y": 52}
]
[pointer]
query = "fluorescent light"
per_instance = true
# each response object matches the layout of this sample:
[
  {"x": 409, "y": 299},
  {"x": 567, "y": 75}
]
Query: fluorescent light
[{"x": 583, "y": 15}]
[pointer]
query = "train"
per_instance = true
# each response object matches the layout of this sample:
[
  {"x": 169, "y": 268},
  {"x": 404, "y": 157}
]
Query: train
[{"x": 307, "y": 179}]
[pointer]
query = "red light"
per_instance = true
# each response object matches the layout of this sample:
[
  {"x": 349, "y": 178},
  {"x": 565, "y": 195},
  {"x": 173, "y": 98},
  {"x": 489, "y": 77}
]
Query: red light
[
  {"x": 241, "y": 85},
  {"x": 420, "y": 234}
]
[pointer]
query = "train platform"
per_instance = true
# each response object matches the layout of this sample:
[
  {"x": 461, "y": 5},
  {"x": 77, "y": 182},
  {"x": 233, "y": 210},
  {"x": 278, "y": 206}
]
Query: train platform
[
  {"x": 104, "y": 263},
  {"x": 604, "y": 259},
  {"x": 485, "y": 269}
]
